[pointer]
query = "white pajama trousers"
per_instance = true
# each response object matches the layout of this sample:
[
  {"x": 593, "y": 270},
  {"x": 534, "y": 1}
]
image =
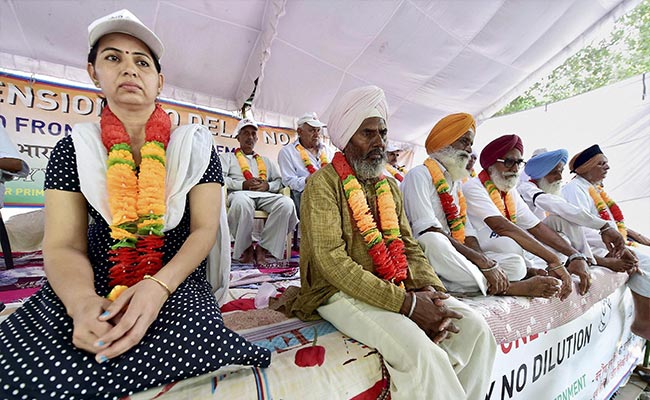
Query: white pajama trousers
[
  {"x": 281, "y": 220},
  {"x": 459, "y": 274},
  {"x": 458, "y": 368}
]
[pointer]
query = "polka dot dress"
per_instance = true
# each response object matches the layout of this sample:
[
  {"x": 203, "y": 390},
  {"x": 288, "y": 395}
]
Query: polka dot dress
[{"x": 38, "y": 360}]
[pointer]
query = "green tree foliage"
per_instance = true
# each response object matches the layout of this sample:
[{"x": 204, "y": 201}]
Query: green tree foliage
[{"x": 624, "y": 53}]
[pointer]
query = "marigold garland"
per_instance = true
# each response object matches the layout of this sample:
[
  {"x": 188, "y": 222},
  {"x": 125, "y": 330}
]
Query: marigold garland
[
  {"x": 137, "y": 202},
  {"x": 397, "y": 173},
  {"x": 508, "y": 209},
  {"x": 604, "y": 202},
  {"x": 245, "y": 169},
  {"x": 455, "y": 218},
  {"x": 307, "y": 161},
  {"x": 386, "y": 248}
]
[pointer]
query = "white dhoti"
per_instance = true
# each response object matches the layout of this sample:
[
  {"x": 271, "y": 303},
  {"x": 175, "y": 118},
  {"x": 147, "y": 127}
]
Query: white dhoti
[
  {"x": 457, "y": 272},
  {"x": 458, "y": 368},
  {"x": 281, "y": 220}
]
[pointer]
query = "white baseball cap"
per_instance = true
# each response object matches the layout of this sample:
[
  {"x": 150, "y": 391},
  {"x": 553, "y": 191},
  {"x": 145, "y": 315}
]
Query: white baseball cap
[
  {"x": 311, "y": 119},
  {"x": 124, "y": 21},
  {"x": 244, "y": 123},
  {"x": 392, "y": 148}
]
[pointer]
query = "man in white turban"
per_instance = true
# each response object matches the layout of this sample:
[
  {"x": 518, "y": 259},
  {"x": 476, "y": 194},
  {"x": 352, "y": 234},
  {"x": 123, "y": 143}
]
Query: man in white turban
[{"x": 362, "y": 270}]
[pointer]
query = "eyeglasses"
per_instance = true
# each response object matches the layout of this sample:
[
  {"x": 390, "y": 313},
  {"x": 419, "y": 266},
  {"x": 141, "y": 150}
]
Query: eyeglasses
[{"x": 510, "y": 162}]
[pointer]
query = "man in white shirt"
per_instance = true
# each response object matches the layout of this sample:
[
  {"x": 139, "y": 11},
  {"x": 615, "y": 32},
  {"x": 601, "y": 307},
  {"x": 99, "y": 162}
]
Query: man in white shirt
[
  {"x": 586, "y": 192},
  {"x": 505, "y": 223},
  {"x": 435, "y": 205},
  {"x": 306, "y": 155},
  {"x": 253, "y": 183},
  {"x": 393, "y": 169},
  {"x": 542, "y": 195}
]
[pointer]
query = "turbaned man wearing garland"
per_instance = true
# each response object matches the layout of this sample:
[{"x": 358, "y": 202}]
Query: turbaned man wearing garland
[
  {"x": 362, "y": 270},
  {"x": 586, "y": 191},
  {"x": 504, "y": 223},
  {"x": 437, "y": 210}
]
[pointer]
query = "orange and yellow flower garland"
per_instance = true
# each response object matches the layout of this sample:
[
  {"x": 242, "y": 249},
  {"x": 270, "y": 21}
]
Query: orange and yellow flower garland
[
  {"x": 245, "y": 169},
  {"x": 305, "y": 159},
  {"x": 137, "y": 202},
  {"x": 387, "y": 250},
  {"x": 509, "y": 209},
  {"x": 603, "y": 202},
  {"x": 397, "y": 174},
  {"x": 455, "y": 219}
]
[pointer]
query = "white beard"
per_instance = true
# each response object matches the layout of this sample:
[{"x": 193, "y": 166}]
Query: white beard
[
  {"x": 551, "y": 188},
  {"x": 504, "y": 182},
  {"x": 454, "y": 160},
  {"x": 368, "y": 169}
]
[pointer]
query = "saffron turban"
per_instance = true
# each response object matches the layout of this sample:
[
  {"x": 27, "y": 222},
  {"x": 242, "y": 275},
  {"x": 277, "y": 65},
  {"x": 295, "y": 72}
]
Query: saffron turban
[
  {"x": 498, "y": 148},
  {"x": 448, "y": 130},
  {"x": 352, "y": 109},
  {"x": 541, "y": 164},
  {"x": 581, "y": 158}
]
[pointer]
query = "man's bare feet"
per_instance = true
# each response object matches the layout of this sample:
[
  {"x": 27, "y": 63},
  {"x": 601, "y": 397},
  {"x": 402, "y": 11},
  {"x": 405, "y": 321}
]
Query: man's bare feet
[
  {"x": 248, "y": 256},
  {"x": 530, "y": 272},
  {"x": 537, "y": 286},
  {"x": 260, "y": 255}
]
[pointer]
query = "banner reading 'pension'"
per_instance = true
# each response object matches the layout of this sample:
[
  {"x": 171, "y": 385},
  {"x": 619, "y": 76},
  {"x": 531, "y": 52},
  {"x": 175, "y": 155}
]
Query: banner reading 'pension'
[{"x": 38, "y": 113}]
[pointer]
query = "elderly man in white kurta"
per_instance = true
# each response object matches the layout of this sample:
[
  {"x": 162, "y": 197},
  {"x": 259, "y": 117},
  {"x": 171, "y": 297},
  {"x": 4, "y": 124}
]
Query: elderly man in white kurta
[
  {"x": 542, "y": 195},
  {"x": 435, "y": 205},
  {"x": 253, "y": 183},
  {"x": 306, "y": 155},
  {"x": 505, "y": 223},
  {"x": 586, "y": 192}
]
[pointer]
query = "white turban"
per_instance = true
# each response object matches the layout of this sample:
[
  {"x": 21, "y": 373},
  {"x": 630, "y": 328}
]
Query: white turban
[{"x": 351, "y": 109}]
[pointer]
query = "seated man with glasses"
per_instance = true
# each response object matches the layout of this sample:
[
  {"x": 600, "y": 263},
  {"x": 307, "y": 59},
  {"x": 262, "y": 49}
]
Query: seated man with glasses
[{"x": 504, "y": 223}]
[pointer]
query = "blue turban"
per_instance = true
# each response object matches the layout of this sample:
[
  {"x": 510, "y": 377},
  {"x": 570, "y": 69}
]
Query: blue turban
[{"x": 540, "y": 165}]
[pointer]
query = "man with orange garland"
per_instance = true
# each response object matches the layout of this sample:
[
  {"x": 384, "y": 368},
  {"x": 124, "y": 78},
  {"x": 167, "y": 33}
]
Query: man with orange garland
[
  {"x": 300, "y": 159},
  {"x": 504, "y": 223},
  {"x": 586, "y": 191},
  {"x": 392, "y": 167},
  {"x": 436, "y": 207},
  {"x": 253, "y": 183},
  {"x": 363, "y": 272}
]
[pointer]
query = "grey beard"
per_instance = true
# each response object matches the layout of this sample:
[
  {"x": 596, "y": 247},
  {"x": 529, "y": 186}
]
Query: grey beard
[
  {"x": 503, "y": 183},
  {"x": 454, "y": 160},
  {"x": 551, "y": 188},
  {"x": 368, "y": 169}
]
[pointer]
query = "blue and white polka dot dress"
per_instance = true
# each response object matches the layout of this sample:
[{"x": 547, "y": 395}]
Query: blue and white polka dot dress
[{"x": 39, "y": 361}]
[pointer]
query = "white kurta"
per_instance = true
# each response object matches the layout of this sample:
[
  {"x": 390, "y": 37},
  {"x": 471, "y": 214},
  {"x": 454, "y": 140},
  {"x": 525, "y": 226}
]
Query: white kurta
[
  {"x": 242, "y": 205},
  {"x": 424, "y": 210},
  {"x": 576, "y": 192},
  {"x": 480, "y": 207},
  {"x": 292, "y": 167},
  {"x": 571, "y": 218}
]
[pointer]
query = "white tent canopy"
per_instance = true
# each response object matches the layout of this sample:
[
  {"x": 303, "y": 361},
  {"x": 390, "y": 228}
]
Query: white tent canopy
[{"x": 431, "y": 57}]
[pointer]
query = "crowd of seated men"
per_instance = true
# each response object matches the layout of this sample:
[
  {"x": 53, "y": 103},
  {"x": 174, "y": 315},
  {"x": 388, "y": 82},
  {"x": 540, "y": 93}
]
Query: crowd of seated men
[{"x": 511, "y": 229}]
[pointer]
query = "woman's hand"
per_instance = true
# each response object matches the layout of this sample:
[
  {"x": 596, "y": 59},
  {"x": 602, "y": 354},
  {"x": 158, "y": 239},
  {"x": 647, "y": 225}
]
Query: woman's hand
[
  {"x": 88, "y": 328},
  {"x": 133, "y": 312}
]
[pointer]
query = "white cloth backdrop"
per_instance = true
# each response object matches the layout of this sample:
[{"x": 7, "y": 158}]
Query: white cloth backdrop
[{"x": 616, "y": 117}]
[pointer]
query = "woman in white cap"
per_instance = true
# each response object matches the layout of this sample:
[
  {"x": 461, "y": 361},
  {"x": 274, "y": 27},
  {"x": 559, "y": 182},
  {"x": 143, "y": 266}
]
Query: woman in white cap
[{"x": 152, "y": 196}]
